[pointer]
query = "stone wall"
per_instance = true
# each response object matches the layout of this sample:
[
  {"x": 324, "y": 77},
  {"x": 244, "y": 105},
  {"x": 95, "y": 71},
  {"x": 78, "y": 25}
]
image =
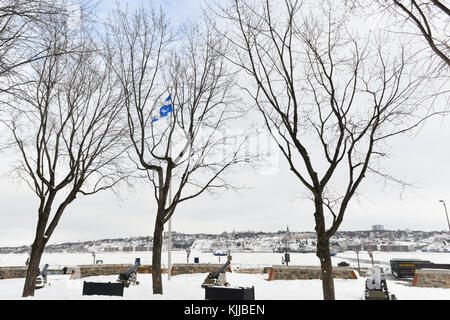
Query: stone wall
[
  {"x": 250, "y": 270},
  {"x": 144, "y": 269},
  {"x": 275, "y": 273},
  {"x": 21, "y": 272},
  {"x": 78, "y": 272},
  {"x": 178, "y": 269},
  {"x": 307, "y": 273},
  {"x": 433, "y": 278},
  {"x": 100, "y": 270},
  {"x": 13, "y": 272}
]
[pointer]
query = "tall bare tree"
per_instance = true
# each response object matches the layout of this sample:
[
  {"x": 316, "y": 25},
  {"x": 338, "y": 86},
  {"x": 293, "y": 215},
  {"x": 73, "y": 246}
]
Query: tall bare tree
[
  {"x": 331, "y": 100},
  {"x": 187, "y": 151},
  {"x": 66, "y": 127}
]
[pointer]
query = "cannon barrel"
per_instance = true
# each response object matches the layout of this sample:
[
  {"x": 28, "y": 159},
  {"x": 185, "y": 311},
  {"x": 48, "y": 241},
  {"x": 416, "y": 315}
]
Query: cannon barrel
[
  {"x": 44, "y": 271},
  {"x": 222, "y": 269},
  {"x": 133, "y": 269}
]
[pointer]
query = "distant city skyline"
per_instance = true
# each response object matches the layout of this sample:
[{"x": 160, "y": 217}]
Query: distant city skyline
[{"x": 174, "y": 232}]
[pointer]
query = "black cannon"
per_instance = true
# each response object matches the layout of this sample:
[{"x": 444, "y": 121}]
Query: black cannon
[
  {"x": 113, "y": 289},
  {"x": 129, "y": 277},
  {"x": 218, "y": 278},
  {"x": 41, "y": 279}
]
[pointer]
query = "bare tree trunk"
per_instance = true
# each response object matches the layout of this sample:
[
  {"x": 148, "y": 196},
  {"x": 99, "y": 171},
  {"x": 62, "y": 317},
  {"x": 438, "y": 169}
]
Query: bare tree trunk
[
  {"x": 323, "y": 253},
  {"x": 156, "y": 256},
  {"x": 33, "y": 267}
]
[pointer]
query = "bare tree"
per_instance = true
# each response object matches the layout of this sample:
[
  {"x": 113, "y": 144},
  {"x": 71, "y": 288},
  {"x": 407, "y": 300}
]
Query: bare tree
[
  {"x": 66, "y": 126},
  {"x": 331, "y": 100},
  {"x": 185, "y": 150}
]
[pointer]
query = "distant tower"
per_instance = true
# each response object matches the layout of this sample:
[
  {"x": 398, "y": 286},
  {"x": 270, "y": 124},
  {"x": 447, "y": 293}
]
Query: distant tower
[
  {"x": 378, "y": 227},
  {"x": 287, "y": 230}
]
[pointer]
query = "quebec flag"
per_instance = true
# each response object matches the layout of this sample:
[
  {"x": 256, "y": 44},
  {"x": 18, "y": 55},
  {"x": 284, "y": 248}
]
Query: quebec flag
[{"x": 165, "y": 109}]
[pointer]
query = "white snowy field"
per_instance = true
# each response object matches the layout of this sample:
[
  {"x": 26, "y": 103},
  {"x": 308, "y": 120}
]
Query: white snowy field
[
  {"x": 188, "y": 287},
  {"x": 240, "y": 259}
]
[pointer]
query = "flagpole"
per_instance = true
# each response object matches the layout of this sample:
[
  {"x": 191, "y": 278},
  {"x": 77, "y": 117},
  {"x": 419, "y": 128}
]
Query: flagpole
[
  {"x": 164, "y": 112},
  {"x": 169, "y": 255}
]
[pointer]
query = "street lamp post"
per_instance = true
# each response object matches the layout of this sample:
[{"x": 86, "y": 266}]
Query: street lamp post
[
  {"x": 371, "y": 256},
  {"x": 188, "y": 253},
  {"x": 446, "y": 213},
  {"x": 357, "y": 257}
]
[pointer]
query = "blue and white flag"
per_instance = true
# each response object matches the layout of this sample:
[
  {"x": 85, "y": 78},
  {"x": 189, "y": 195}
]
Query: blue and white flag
[{"x": 165, "y": 109}]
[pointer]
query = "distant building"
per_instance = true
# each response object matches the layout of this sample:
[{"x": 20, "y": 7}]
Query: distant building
[
  {"x": 127, "y": 249},
  {"x": 300, "y": 236},
  {"x": 378, "y": 227},
  {"x": 394, "y": 248},
  {"x": 354, "y": 248},
  {"x": 173, "y": 233},
  {"x": 142, "y": 248},
  {"x": 370, "y": 247}
]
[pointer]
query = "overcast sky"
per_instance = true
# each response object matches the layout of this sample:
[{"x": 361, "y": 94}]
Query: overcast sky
[{"x": 269, "y": 203}]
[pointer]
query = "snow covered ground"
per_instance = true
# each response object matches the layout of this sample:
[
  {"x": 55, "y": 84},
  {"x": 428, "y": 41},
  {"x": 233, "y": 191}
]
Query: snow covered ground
[{"x": 188, "y": 287}]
